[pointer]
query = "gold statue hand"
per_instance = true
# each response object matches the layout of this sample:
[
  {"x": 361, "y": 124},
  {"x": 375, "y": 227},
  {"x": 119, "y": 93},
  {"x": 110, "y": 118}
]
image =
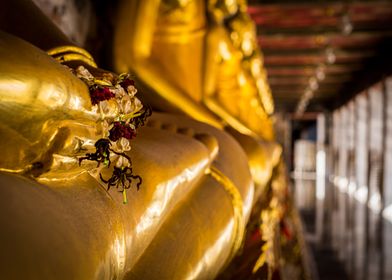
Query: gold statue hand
[{"x": 38, "y": 118}]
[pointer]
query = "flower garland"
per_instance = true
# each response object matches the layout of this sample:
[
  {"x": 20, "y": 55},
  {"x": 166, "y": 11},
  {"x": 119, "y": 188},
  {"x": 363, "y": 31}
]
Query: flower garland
[{"x": 121, "y": 114}]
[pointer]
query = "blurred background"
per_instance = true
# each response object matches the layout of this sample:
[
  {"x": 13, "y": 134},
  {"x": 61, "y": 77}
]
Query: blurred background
[
  {"x": 329, "y": 67},
  {"x": 342, "y": 185}
]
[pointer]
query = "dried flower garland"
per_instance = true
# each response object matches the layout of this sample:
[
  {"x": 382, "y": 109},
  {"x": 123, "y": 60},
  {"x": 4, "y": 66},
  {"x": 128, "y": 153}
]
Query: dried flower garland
[{"x": 122, "y": 113}]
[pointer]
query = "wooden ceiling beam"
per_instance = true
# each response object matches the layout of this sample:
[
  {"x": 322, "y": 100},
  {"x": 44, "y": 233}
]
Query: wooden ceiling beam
[
  {"x": 282, "y": 70},
  {"x": 296, "y": 38},
  {"x": 315, "y": 9},
  {"x": 303, "y": 80},
  {"x": 287, "y": 19},
  {"x": 301, "y": 88},
  {"x": 321, "y": 15},
  {"x": 306, "y": 116},
  {"x": 355, "y": 41},
  {"x": 340, "y": 58},
  {"x": 297, "y": 96}
]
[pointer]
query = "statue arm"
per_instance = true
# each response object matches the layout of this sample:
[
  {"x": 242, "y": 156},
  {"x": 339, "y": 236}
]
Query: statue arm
[
  {"x": 135, "y": 27},
  {"x": 211, "y": 62},
  {"x": 133, "y": 53},
  {"x": 213, "y": 48},
  {"x": 144, "y": 68}
]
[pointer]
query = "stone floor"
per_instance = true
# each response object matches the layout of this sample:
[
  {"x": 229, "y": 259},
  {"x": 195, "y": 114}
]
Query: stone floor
[{"x": 327, "y": 264}]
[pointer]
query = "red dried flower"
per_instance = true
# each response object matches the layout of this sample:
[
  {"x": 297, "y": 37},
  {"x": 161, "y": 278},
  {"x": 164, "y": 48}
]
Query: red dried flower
[
  {"x": 286, "y": 230},
  {"x": 99, "y": 94},
  {"x": 121, "y": 129},
  {"x": 126, "y": 83}
]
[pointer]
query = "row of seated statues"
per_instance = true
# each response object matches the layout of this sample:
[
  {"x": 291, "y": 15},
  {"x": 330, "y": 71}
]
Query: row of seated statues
[
  {"x": 204, "y": 158},
  {"x": 211, "y": 65}
]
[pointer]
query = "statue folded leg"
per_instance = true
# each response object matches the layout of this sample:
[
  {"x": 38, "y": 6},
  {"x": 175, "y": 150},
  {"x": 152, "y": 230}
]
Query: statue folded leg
[
  {"x": 71, "y": 226},
  {"x": 263, "y": 157},
  {"x": 230, "y": 160},
  {"x": 36, "y": 97},
  {"x": 202, "y": 225},
  {"x": 203, "y": 233}
]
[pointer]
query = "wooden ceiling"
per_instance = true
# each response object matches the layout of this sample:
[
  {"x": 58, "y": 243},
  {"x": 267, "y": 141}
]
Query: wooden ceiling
[{"x": 333, "y": 49}]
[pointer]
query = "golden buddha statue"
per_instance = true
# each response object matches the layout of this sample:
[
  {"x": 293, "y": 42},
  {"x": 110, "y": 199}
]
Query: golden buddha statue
[
  {"x": 185, "y": 60},
  {"x": 263, "y": 153},
  {"x": 224, "y": 84},
  {"x": 162, "y": 43},
  {"x": 230, "y": 89},
  {"x": 243, "y": 36},
  {"x": 53, "y": 204},
  {"x": 61, "y": 206},
  {"x": 263, "y": 157}
]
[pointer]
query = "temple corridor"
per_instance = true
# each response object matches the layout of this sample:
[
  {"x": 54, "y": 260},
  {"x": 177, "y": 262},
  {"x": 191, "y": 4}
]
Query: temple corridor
[{"x": 345, "y": 198}]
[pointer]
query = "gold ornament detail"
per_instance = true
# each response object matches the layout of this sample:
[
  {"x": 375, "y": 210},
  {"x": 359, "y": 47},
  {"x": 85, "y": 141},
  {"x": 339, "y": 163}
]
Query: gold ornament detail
[
  {"x": 239, "y": 223},
  {"x": 72, "y": 53}
]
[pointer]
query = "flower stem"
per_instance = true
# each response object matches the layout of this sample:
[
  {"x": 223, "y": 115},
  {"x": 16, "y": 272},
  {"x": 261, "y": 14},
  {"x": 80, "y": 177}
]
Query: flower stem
[{"x": 125, "y": 200}]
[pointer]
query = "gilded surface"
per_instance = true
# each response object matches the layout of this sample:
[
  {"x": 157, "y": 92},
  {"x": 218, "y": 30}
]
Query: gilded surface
[
  {"x": 244, "y": 38},
  {"x": 232, "y": 90},
  {"x": 198, "y": 189},
  {"x": 263, "y": 156},
  {"x": 65, "y": 208},
  {"x": 192, "y": 64},
  {"x": 230, "y": 160},
  {"x": 42, "y": 112},
  {"x": 223, "y": 87},
  {"x": 205, "y": 243},
  {"x": 162, "y": 42},
  {"x": 239, "y": 221},
  {"x": 63, "y": 196}
]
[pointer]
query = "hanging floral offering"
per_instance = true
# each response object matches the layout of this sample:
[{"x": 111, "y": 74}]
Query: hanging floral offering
[{"x": 117, "y": 129}]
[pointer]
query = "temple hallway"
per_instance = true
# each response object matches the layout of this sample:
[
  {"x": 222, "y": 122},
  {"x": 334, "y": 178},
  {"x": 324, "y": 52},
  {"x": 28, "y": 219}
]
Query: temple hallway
[{"x": 343, "y": 188}]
